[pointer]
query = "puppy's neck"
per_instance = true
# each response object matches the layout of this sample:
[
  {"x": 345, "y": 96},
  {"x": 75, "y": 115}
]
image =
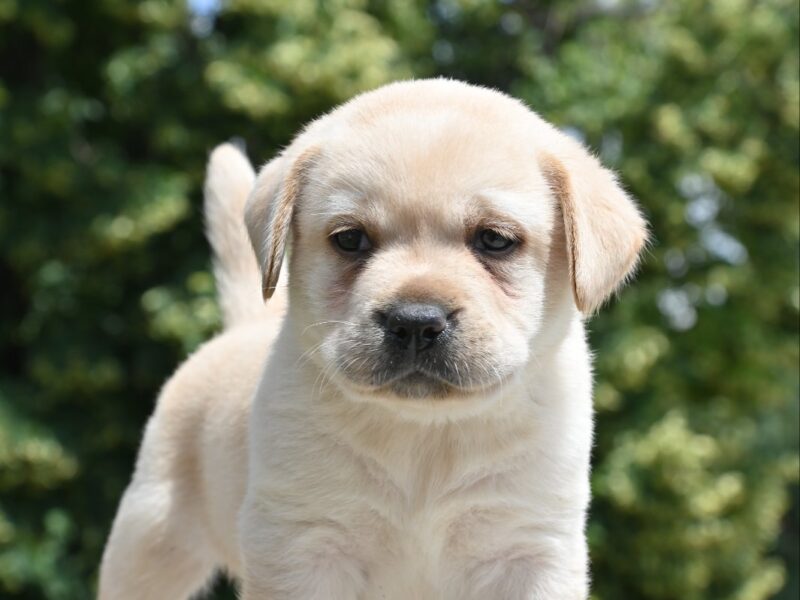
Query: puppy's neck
[
  {"x": 453, "y": 445},
  {"x": 424, "y": 459}
]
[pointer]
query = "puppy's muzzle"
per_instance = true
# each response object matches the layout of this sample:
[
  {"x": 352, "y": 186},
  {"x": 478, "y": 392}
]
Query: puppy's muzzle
[
  {"x": 414, "y": 326},
  {"x": 418, "y": 348}
]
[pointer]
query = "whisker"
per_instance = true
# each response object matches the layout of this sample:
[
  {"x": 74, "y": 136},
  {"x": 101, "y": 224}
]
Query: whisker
[{"x": 319, "y": 323}]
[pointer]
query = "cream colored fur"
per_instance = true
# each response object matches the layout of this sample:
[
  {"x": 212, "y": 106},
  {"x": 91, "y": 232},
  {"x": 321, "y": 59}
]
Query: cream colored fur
[{"x": 271, "y": 456}]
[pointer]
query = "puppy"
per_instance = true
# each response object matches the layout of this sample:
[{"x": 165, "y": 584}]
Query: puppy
[{"x": 418, "y": 425}]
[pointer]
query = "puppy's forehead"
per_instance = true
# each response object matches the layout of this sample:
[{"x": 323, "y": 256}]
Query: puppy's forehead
[{"x": 430, "y": 166}]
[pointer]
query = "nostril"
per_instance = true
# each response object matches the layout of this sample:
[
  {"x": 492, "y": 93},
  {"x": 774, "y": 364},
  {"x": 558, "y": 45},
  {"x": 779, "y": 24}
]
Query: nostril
[
  {"x": 430, "y": 333},
  {"x": 436, "y": 325},
  {"x": 400, "y": 332}
]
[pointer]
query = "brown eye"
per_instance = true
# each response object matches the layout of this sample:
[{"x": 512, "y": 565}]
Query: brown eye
[
  {"x": 493, "y": 242},
  {"x": 351, "y": 241}
]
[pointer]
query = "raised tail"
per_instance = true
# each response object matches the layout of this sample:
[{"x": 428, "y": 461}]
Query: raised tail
[{"x": 229, "y": 179}]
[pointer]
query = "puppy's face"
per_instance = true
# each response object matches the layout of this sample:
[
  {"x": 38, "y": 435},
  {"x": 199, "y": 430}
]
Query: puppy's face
[
  {"x": 421, "y": 257},
  {"x": 429, "y": 249}
]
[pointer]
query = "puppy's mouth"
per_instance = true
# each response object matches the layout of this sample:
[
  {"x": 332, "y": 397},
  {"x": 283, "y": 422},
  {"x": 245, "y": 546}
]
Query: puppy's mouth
[{"x": 422, "y": 384}]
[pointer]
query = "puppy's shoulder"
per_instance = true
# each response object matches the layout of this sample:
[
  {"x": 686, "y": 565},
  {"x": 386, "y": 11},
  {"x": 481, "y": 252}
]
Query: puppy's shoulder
[{"x": 223, "y": 369}]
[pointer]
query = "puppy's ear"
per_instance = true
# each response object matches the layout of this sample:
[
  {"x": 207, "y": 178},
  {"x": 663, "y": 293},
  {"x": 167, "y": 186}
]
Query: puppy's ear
[
  {"x": 604, "y": 230},
  {"x": 268, "y": 214}
]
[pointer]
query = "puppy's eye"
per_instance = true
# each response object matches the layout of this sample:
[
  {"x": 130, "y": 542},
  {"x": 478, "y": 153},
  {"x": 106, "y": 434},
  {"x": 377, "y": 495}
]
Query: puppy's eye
[
  {"x": 493, "y": 242},
  {"x": 351, "y": 241}
]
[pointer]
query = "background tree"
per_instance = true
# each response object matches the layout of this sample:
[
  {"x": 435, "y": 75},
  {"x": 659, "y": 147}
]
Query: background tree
[{"x": 108, "y": 110}]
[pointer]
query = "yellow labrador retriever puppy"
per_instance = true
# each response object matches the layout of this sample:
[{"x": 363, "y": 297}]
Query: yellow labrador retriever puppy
[{"x": 418, "y": 425}]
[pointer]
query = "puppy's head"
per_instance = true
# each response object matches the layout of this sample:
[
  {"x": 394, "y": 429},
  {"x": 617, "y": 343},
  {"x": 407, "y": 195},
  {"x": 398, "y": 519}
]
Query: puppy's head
[{"x": 442, "y": 234}]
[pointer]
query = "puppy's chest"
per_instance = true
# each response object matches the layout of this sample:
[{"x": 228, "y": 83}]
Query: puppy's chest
[
  {"x": 429, "y": 505},
  {"x": 434, "y": 525},
  {"x": 424, "y": 509}
]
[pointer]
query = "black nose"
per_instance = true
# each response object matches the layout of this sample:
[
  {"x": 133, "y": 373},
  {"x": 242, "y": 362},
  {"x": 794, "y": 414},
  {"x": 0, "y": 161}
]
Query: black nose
[{"x": 414, "y": 324}]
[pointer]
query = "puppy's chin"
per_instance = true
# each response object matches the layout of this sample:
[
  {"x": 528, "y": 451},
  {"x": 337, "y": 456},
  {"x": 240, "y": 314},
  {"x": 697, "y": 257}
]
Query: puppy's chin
[
  {"x": 420, "y": 397},
  {"x": 419, "y": 386}
]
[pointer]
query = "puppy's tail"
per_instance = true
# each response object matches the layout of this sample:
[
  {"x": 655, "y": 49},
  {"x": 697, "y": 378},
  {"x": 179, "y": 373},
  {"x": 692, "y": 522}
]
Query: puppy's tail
[{"x": 229, "y": 179}]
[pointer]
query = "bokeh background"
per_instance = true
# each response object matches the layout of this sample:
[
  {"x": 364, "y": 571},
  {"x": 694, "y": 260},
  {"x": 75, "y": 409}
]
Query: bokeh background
[{"x": 108, "y": 109}]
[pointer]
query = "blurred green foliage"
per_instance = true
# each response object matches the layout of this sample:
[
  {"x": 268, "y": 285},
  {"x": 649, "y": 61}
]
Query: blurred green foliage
[{"x": 109, "y": 108}]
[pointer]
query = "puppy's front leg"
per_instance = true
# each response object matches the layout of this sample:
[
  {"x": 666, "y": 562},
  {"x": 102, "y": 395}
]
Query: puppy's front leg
[
  {"x": 547, "y": 567},
  {"x": 302, "y": 559},
  {"x": 525, "y": 578}
]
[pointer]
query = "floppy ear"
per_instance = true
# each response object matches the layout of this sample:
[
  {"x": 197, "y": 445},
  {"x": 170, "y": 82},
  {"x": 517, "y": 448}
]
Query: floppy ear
[
  {"x": 604, "y": 230},
  {"x": 269, "y": 209}
]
